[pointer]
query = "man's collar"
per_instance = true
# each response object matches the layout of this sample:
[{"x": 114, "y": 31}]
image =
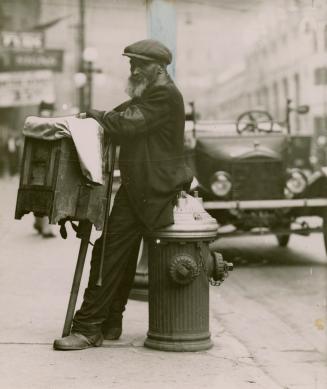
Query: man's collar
[{"x": 162, "y": 79}]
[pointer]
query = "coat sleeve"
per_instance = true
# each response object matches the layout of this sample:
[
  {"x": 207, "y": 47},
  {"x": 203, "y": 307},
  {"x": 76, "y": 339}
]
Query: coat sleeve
[{"x": 138, "y": 118}]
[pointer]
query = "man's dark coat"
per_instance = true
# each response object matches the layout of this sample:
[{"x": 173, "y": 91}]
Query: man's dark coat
[{"x": 150, "y": 132}]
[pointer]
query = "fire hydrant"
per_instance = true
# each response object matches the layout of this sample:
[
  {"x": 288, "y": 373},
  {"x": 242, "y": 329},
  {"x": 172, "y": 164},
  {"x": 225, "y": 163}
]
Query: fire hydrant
[{"x": 181, "y": 267}]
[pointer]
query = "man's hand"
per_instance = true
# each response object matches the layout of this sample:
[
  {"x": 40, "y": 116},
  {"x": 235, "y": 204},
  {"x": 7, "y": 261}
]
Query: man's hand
[{"x": 81, "y": 115}]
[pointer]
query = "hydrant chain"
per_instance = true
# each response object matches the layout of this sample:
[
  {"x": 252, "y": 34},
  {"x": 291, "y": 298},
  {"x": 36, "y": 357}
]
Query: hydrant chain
[{"x": 220, "y": 266}]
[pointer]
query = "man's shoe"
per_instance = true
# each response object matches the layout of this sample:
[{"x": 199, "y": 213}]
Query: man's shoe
[
  {"x": 113, "y": 333},
  {"x": 76, "y": 341},
  {"x": 48, "y": 234}
]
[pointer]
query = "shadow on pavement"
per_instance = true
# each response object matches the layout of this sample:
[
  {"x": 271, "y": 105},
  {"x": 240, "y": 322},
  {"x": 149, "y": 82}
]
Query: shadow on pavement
[{"x": 264, "y": 251}]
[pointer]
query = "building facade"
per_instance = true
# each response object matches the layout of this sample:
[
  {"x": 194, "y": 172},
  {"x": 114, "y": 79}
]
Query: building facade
[
  {"x": 109, "y": 25},
  {"x": 289, "y": 62}
]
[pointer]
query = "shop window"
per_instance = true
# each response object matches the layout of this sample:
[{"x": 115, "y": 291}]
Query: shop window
[
  {"x": 276, "y": 99},
  {"x": 24, "y": 22},
  {"x": 307, "y": 27},
  {"x": 258, "y": 97},
  {"x": 314, "y": 41},
  {"x": 248, "y": 99},
  {"x": 284, "y": 39},
  {"x": 320, "y": 125},
  {"x": 5, "y": 21},
  {"x": 320, "y": 76},
  {"x": 265, "y": 98},
  {"x": 285, "y": 88}
]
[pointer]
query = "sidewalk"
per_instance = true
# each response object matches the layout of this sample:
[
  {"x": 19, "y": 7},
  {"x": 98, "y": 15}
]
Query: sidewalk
[{"x": 35, "y": 281}]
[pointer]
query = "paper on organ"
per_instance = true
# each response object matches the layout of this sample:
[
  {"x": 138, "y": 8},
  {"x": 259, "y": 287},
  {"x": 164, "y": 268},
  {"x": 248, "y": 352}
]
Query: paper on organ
[{"x": 87, "y": 136}]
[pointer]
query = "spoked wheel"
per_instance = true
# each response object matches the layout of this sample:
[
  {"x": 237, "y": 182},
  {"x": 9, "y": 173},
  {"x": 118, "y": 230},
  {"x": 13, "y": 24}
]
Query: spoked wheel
[
  {"x": 254, "y": 121},
  {"x": 283, "y": 239}
]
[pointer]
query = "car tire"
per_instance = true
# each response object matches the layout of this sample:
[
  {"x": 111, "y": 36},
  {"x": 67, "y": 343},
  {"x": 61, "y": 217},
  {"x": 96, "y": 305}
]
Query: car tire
[{"x": 283, "y": 239}]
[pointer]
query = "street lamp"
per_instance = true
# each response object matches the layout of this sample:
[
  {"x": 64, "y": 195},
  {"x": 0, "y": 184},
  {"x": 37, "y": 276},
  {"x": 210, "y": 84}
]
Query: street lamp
[
  {"x": 90, "y": 54},
  {"x": 84, "y": 78},
  {"x": 80, "y": 79}
]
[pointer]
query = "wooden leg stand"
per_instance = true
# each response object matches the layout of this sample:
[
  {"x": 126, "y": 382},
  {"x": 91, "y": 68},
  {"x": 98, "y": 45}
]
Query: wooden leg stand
[{"x": 83, "y": 232}]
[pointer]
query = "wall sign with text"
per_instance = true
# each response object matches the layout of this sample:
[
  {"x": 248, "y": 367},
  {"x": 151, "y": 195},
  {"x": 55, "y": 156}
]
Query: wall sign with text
[
  {"x": 20, "y": 60},
  {"x": 26, "y": 88},
  {"x": 21, "y": 40}
]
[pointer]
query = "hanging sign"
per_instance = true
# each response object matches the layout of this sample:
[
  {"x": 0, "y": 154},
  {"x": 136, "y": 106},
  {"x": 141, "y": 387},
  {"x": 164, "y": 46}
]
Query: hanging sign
[
  {"x": 21, "y": 40},
  {"x": 14, "y": 60}
]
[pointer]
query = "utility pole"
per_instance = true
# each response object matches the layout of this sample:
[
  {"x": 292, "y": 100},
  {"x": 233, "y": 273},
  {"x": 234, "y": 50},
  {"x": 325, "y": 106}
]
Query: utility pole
[
  {"x": 161, "y": 22},
  {"x": 81, "y": 48}
]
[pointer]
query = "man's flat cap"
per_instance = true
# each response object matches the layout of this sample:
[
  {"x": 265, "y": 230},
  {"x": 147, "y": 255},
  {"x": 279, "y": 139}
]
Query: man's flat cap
[{"x": 149, "y": 50}]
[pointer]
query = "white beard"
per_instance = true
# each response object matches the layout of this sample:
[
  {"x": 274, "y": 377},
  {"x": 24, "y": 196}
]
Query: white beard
[{"x": 136, "y": 88}]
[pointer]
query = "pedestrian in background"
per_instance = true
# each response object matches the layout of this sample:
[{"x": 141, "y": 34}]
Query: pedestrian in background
[
  {"x": 41, "y": 224},
  {"x": 150, "y": 131},
  {"x": 2, "y": 154}
]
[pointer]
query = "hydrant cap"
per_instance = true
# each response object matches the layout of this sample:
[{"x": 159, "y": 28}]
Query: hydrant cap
[{"x": 191, "y": 221}]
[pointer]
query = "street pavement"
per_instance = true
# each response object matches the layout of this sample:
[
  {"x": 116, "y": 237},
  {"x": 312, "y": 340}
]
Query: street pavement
[
  {"x": 275, "y": 304},
  {"x": 35, "y": 281}
]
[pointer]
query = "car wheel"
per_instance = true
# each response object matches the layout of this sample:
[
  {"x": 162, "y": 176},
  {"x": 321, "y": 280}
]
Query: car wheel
[{"x": 283, "y": 239}]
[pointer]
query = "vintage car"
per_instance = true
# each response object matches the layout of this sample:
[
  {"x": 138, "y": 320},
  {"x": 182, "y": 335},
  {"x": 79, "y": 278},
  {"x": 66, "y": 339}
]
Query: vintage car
[{"x": 255, "y": 177}]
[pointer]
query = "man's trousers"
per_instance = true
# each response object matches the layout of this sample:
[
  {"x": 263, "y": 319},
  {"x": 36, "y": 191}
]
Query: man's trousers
[{"x": 105, "y": 304}]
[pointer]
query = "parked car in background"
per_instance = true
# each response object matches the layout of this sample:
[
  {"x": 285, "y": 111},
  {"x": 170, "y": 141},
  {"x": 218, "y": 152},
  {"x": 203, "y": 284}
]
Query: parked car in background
[{"x": 255, "y": 177}]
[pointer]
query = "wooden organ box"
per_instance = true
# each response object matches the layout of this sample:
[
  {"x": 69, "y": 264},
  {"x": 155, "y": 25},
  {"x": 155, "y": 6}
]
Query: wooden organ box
[{"x": 52, "y": 184}]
